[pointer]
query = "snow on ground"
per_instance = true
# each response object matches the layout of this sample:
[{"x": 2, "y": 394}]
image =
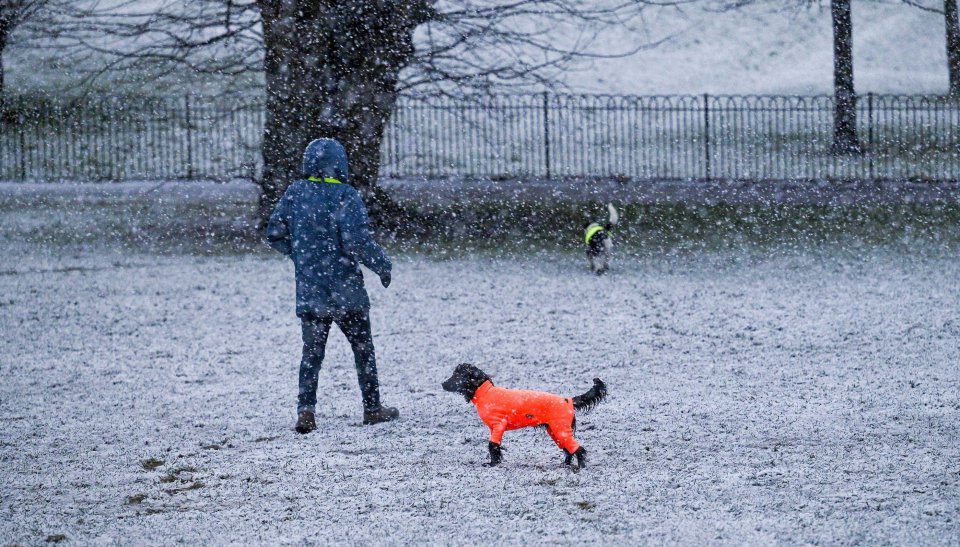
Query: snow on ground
[
  {"x": 440, "y": 192},
  {"x": 784, "y": 396}
]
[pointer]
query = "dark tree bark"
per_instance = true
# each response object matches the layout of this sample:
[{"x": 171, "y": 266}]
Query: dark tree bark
[
  {"x": 953, "y": 45},
  {"x": 332, "y": 70},
  {"x": 3, "y": 47},
  {"x": 845, "y": 98},
  {"x": 7, "y": 22},
  {"x": 13, "y": 13}
]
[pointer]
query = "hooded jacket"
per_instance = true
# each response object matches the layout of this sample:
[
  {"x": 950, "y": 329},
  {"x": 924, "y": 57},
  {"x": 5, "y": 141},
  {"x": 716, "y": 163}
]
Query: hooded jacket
[{"x": 322, "y": 225}]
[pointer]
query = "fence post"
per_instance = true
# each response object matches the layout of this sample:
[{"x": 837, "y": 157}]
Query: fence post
[
  {"x": 546, "y": 131},
  {"x": 189, "y": 139},
  {"x": 112, "y": 148},
  {"x": 706, "y": 134},
  {"x": 870, "y": 135},
  {"x": 21, "y": 126}
]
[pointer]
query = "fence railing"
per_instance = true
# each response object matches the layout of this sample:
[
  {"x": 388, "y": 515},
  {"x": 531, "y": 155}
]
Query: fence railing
[{"x": 696, "y": 137}]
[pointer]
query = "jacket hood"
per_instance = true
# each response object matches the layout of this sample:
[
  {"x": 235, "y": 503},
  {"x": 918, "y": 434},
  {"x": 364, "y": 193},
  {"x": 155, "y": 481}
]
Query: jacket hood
[{"x": 326, "y": 158}]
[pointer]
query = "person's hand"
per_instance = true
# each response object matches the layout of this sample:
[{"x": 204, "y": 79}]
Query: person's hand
[{"x": 385, "y": 279}]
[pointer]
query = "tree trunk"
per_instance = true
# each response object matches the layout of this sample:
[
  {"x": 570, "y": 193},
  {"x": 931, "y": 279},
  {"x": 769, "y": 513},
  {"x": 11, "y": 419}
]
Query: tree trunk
[
  {"x": 331, "y": 71},
  {"x": 845, "y": 98},
  {"x": 953, "y": 45},
  {"x": 3, "y": 47}
]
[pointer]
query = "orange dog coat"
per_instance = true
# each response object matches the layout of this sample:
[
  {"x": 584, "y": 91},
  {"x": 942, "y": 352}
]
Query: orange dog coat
[{"x": 507, "y": 409}]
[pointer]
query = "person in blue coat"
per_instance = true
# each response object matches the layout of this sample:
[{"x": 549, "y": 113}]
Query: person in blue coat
[{"x": 322, "y": 225}]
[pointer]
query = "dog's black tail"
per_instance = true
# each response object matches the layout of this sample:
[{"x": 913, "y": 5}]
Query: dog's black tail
[{"x": 592, "y": 398}]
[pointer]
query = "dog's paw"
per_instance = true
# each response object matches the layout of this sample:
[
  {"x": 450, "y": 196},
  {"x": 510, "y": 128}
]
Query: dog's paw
[
  {"x": 574, "y": 467},
  {"x": 491, "y": 464}
]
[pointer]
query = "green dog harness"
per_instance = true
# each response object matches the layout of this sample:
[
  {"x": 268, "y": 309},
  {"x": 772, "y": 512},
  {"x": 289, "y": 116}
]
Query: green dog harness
[{"x": 592, "y": 231}]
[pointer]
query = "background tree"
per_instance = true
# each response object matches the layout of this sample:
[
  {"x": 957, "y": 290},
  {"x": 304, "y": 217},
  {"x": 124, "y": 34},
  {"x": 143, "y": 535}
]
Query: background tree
[
  {"x": 952, "y": 25},
  {"x": 13, "y": 13},
  {"x": 953, "y": 45},
  {"x": 333, "y": 69},
  {"x": 336, "y": 67},
  {"x": 845, "y": 139},
  {"x": 845, "y": 98}
]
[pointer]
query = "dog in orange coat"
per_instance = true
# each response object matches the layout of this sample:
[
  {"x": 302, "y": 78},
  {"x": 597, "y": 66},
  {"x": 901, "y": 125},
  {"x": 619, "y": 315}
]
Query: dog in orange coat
[{"x": 507, "y": 409}]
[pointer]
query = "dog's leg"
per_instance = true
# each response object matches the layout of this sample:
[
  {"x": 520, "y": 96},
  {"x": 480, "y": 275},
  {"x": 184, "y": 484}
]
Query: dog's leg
[
  {"x": 581, "y": 455},
  {"x": 496, "y": 454},
  {"x": 496, "y": 436},
  {"x": 562, "y": 434},
  {"x": 603, "y": 264}
]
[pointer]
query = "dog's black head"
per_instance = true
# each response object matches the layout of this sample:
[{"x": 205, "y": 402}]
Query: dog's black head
[{"x": 465, "y": 380}]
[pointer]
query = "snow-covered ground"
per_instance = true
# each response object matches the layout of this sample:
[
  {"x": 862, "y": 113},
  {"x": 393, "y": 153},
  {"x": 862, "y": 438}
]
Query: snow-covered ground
[{"x": 790, "y": 395}]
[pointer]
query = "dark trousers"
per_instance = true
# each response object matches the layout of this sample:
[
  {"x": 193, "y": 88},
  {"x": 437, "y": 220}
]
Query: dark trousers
[{"x": 356, "y": 327}]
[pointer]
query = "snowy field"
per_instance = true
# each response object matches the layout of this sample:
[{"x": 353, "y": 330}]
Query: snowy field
[{"x": 773, "y": 395}]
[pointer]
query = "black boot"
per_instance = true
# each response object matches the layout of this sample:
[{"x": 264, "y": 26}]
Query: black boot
[
  {"x": 382, "y": 414},
  {"x": 305, "y": 422}
]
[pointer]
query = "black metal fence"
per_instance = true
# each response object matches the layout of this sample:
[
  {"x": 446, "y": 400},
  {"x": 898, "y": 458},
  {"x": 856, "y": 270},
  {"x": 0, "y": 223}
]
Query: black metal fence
[{"x": 536, "y": 135}]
